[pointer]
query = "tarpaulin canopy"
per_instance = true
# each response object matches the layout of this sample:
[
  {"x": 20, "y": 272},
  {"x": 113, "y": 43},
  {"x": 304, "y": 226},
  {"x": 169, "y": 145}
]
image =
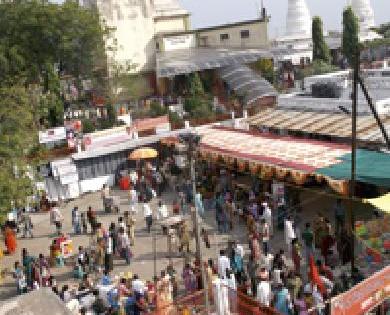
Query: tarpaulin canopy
[
  {"x": 371, "y": 168},
  {"x": 272, "y": 156},
  {"x": 382, "y": 203}
]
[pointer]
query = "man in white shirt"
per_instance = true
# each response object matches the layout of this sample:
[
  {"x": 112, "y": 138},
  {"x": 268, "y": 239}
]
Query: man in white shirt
[
  {"x": 267, "y": 215},
  {"x": 138, "y": 285},
  {"x": 289, "y": 232},
  {"x": 162, "y": 211},
  {"x": 148, "y": 215},
  {"x": 133, "y": 200},
  {"x": 264, "y": 293},
  {"x": 108, "y": 259},
  {"x": 56, "y": 218},
  {"x": 223, "y": 264}
]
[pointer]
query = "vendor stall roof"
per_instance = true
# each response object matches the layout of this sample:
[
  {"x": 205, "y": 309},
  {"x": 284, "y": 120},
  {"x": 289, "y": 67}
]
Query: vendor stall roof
[
  {"x": 246, "y": 83},
  {"x": 285, "y": 152},
  {"x": 184, "y": 61},
  {"x": 371, "y": 167},
  {"x": 382, "y": 203},
  {"x": 328, "y": 124}
]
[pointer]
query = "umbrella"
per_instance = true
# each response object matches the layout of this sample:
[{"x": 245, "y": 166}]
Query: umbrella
[
  {"x": 143, "y": 153},
  {"x": 382, "y": 203}
]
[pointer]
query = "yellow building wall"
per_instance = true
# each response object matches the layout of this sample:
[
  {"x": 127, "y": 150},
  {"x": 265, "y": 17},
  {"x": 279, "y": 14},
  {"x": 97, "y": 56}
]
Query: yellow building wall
[{"x": 258, "y": 36}]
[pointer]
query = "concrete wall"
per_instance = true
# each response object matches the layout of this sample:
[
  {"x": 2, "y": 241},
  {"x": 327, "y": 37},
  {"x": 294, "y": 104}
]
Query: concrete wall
[
  {"x": 258, "y": 36},
  {"x": 173, "y": 24},
  {"x": 135, "y": 25}
]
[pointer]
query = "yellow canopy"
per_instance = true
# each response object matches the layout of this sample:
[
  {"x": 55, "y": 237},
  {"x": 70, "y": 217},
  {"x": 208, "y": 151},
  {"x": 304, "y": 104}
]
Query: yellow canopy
[
  {"x": 143, "y": 153},
  {"x": 382, "y": 203}
]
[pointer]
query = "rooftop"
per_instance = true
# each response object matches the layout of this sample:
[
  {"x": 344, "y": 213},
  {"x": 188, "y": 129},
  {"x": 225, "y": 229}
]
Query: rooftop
[
  {"x": 233, "y": 24},
  {"x": 178, "y": 62}
]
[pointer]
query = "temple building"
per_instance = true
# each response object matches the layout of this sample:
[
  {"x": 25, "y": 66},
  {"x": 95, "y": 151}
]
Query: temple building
[
  {"x": 365, "y": 14},
  {"x": 135, "y": 24},
  {"x": 295, "y": 45}
]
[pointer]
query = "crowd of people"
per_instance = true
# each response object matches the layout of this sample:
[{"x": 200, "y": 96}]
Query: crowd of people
[{"x": 297, "y": 277}]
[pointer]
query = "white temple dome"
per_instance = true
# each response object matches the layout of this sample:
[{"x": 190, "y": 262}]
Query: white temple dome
[
  {"x": 298, "y": 19},
  {"x": 365, "y": 14}
]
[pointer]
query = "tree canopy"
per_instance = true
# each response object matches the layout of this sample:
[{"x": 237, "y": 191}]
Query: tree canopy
[
  {"x": 18, "y": 136},
  {"x": 40, "y": 41},
  {"x": 350, "y": 43},
  {"x": 36, "y": 35},
  {"x": 320, "y": 48}
]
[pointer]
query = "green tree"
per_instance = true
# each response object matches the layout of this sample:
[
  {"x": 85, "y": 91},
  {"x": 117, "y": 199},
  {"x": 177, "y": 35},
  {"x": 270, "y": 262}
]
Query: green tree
[
  {"x": 320, "y": 48},
  {"x": 88, "y": 126},
  {"x": 195, "y": 86},
  {"x": 18, "y": 137},
  {"x": 316, "y": 68},
  {"x": 384, "y": 30},
  {"x": 350, "y": 42},
  {"x": 266, "y": 67},
  {"x": 37, "y": 33},
  {"x": 156, "y": 109}
]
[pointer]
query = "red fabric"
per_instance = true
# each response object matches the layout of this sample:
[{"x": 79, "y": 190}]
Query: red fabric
[
  {"x": 10, "y": 240},
  {"x": 315, "y": 276}
]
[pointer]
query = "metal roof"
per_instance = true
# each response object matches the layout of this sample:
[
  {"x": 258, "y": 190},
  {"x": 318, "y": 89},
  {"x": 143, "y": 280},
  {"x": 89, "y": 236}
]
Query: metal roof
[
  {"x": 320, "y": 123},
  {"x": 184, "y": 61},
  {"x": 246, "y": 83}
]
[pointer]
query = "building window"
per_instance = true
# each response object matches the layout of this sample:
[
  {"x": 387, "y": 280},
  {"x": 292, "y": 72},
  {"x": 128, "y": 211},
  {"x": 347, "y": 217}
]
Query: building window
[
  {"x": 245, "y": 34},
  {"x": 157, "y": 46},
  {"x": 224, "y": 37}
]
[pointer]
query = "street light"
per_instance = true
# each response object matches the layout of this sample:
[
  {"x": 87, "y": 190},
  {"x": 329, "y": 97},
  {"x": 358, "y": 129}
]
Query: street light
[{"x": 192, "y": 141}]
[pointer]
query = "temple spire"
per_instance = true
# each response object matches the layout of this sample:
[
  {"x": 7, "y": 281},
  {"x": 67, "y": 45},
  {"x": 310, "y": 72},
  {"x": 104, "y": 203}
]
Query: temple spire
[{"x": 298, "y": 19}]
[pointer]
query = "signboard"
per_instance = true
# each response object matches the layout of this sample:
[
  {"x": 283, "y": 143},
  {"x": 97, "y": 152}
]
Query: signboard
[
  {"x": 52, "y": 135},
  {"x": 67, "y": 248},
  {"x": 163, "y": 128},
  {"x": 364, "y": 296},
  {"x": 148, "y": 123},
  {"x": 179, "y": 42}
]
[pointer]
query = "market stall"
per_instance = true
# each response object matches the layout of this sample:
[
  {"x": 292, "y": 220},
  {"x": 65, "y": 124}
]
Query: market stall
[
  {"x": 274, "y": 157},
  {"x": 365, "y": 296}
]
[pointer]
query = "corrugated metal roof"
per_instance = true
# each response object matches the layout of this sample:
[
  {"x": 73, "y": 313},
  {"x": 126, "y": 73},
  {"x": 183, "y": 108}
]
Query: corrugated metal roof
[
  {"x": 246, "y": 83},
  {"x": 184, "y": 61}
]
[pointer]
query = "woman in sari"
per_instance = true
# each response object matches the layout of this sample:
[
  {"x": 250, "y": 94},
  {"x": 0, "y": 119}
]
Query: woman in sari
[{"x": 10, "y": 240}]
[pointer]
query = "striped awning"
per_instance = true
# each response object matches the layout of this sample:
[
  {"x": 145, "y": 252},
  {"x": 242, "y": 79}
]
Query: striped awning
[
  {"x": 320, "y": 123},
  {"x": 271, "y": 156}
]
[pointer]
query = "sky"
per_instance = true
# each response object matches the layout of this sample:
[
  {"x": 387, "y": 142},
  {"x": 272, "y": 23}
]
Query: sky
[{"x": 214, "y": 12}]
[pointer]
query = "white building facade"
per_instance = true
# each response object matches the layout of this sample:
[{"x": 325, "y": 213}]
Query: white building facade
[{"x": 135, "y": 24}]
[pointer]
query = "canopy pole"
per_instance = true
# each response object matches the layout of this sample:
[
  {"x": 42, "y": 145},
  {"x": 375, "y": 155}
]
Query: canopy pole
[
  {"x": 374, "y": 112},
  {"x": 352, "y": 186}
]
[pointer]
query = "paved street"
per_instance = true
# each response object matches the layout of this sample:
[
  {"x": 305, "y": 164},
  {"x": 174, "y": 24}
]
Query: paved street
[{"x": 142, "y": 262}]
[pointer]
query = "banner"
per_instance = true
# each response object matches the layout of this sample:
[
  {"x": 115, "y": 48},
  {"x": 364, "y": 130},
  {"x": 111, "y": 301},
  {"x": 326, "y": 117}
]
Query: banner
[
  {"x": 67, "y": 248},
  {"x": 364, "y": 296},
  {"x": 149, "y": 123}
]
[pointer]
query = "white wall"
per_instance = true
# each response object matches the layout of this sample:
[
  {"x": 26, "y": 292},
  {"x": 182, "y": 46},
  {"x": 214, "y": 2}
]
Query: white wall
[
  {"x": 173, "y": 24},
  {"x": 135, "y": 26}
]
